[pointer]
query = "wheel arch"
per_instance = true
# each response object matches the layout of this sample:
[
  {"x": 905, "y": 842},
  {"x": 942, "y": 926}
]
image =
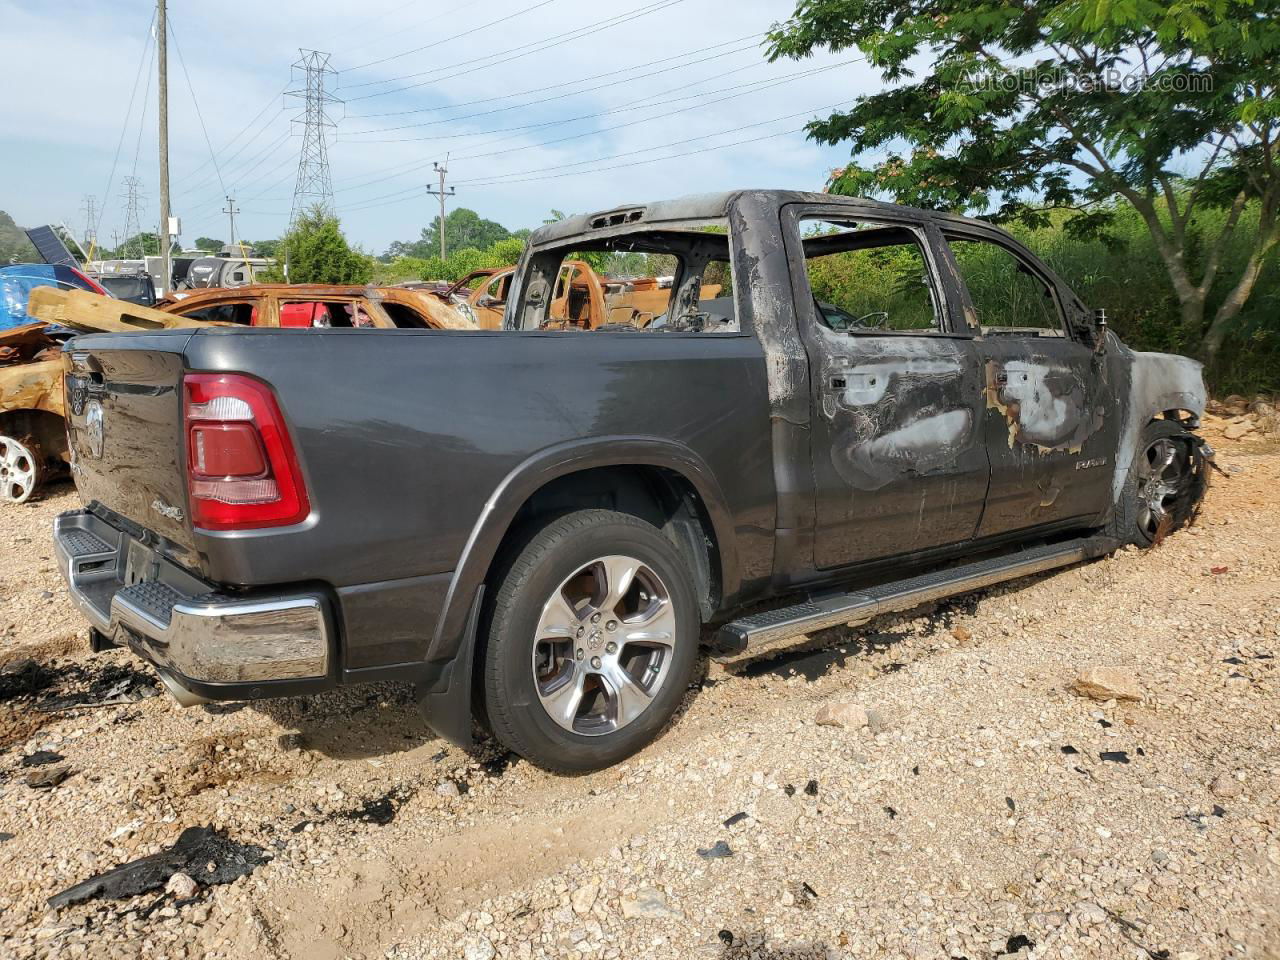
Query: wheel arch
[
  {"x": 47, "y": 429},
  {"x": 681, "y": 489}
]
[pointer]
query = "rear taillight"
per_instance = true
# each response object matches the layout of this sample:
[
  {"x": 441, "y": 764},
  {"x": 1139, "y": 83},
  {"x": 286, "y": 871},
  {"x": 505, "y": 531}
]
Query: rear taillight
[{"x": 241, "y": 468}]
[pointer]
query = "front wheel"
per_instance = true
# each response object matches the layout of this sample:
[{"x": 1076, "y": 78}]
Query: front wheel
[
  {"x": 1166, "y": 483},
  {"x": 592, "y": 638}
]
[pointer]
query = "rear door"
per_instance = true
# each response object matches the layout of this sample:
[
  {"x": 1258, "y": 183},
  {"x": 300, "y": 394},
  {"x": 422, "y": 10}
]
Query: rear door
[
  {"x": 899, "y": 462},
  {"x": 1049, "y": 415}
]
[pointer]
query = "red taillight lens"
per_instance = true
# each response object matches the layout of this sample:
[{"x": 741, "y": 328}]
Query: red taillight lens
[
  {"x": 226, "y": 450},
  {"x": 241, "y": 466}
]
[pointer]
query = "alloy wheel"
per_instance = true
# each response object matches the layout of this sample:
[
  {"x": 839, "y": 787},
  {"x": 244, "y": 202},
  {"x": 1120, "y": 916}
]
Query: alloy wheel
[
  {"x": 604, "y": 645},
  {"x": 1160, "y": 474},
  {"x": 17, "y": 471}
]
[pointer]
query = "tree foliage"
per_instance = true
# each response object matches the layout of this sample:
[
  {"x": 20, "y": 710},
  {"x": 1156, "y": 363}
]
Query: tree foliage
[
  {"x": 208, "y": 244},
  {"x": 503, "y": 253},
  {"x": 463, "y": 229},
  {"x": 14, "y": 245},
  {"x": 317, "y": 252},
  {"x": 1024, "y": 108}
]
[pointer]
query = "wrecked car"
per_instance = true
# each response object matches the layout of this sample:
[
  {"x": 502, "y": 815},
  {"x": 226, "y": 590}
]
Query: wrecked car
[
  {"x": 315, "y": 305},
  {"x": 32, "y": 437},
  {"x": 879, "y": 407},
  {"x": 582, "y": 298}
]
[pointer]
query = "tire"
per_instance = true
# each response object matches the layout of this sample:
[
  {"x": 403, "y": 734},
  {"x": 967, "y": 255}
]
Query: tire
[
  {"x": 1168, "y": 456},
  {"x": 22, "y": 469},
  {"x": 572, "y": 680}
]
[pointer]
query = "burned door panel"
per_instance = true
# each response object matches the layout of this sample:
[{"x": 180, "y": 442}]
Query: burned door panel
[
  {"x": 899, "y": 462},
  {"x": 1051, "y": 431},
  {"x": 1049, "y": 404}
]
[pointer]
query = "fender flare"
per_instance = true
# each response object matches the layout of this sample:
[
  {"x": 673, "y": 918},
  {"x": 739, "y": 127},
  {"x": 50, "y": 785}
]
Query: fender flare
[{"x": 540, "y": 469}]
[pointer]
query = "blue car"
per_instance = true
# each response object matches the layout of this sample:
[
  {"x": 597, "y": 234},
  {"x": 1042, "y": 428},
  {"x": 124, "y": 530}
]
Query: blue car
[{"x": 18, "y": 279}]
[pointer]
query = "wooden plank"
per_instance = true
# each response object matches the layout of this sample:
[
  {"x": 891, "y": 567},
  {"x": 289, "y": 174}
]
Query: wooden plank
[{"x": 92, "y": 313}]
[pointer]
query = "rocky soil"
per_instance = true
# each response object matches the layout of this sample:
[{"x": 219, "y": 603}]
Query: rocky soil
[{"x": 974, "y": 780}]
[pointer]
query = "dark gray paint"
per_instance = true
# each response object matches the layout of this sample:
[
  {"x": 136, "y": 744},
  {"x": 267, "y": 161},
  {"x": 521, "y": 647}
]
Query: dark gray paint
[{"x": 419, "y": 447}]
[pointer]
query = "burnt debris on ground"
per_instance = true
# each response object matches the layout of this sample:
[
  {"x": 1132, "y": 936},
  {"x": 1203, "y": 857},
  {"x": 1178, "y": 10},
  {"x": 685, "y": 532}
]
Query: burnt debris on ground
[
  {"x": 209, "y": 856},
  {"x": 50, "y": 687}
]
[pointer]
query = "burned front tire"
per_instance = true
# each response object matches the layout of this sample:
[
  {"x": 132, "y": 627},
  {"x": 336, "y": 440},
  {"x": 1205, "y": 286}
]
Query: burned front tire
[
  {"x": 592, "y": 638},
  {"x": 1165, "y": 485},
  {"x": 21, "y": 469}
]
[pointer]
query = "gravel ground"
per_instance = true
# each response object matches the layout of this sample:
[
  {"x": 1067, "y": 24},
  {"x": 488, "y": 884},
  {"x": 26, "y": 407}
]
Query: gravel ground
[{"x": 973, "y": 806}]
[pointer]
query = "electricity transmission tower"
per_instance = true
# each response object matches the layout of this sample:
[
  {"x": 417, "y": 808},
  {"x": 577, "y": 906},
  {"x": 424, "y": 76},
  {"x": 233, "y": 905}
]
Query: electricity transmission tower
[
  {"x": 90, "y": 210},
  {"x": 314, "y": 186},
  {"x": 132, "y": 217}
]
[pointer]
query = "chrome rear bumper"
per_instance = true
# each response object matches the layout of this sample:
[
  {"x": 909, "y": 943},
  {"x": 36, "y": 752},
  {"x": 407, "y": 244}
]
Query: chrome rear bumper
[{"x": 198, "y": 637}]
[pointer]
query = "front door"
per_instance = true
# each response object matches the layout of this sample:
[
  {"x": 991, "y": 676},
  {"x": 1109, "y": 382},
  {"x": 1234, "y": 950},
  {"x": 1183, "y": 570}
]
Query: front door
[
  {"x": 1049, "y": 408},
  {"x": 898, "y": 459}
]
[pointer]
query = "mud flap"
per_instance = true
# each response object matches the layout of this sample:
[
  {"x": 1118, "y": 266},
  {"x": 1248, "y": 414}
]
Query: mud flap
[{"x": 445, "y": 702}]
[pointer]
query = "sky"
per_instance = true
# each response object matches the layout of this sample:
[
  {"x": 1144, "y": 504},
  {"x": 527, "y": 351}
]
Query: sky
[{"x": 640, "y": 100}]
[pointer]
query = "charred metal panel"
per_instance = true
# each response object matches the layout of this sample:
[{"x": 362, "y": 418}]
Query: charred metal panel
[
  {"x": 1046, "y": 405},
  {"x": 1051, "y": 426},
  {"x": 899, "y": 461},
  {"x": 1158, "y": 383}
]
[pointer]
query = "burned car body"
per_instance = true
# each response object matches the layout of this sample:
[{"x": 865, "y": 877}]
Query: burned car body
[{"x": 841, "y": 406}]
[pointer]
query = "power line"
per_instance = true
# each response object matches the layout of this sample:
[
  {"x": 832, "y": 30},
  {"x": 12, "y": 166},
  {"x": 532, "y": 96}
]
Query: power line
[
  {"x": 227, "y": 145},
  {"x": 456, "y": 36},
  {"x": 567, "y": 83},
  {"x": 124, "y": 129},
  {"x": 400, "y": 195},
  {"x": 195, "y": 102},
  {"x": 503, "y": 57},
  {"x": 405, "y": 167},
  {"x": 620, "y": 166},
  {"x": 571, "y": 93},
  {"x": 758, "y": 85}
]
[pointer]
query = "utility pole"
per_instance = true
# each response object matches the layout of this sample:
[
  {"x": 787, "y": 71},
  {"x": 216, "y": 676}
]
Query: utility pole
[
  {"x": 231, "y": 211},
  {"x": 442, "y": 170},
  {"x": 162, "y": 61}
]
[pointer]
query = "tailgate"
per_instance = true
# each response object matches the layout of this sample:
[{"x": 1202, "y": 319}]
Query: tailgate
[{"x": 124, "y": 427}]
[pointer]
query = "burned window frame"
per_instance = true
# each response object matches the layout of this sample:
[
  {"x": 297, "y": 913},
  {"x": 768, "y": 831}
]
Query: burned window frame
[
  {"x": 868, "y": 227},
  {"x": 1066, "y": 329},
  {"x": 540, "y": 265},
  {"x": 922, "y": 232}
]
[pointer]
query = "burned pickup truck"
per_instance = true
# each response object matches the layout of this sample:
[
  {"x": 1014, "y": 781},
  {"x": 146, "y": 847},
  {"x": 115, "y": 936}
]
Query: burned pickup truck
[{"x": 880, "y": 407}]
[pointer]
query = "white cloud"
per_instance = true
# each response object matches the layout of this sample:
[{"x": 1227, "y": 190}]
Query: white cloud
[{"x": 59, "y": 127}]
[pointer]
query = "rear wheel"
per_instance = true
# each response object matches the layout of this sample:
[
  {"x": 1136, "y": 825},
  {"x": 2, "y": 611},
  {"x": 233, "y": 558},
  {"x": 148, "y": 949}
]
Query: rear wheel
[
  {"x": 21, "y": 469},
  {"x": 592, "y": 639},
  {"x": 1164, "y": 488}
]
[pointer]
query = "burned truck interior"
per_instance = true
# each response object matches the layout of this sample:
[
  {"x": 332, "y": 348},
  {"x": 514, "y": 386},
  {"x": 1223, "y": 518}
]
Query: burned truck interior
[{"x": 660, "y": 281}]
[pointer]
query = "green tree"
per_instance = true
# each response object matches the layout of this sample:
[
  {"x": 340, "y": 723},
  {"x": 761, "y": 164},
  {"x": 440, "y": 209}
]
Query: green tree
[
  {"x": 463, "y": 228},
  {"x": 317, "y": 252},
  {"x": 14, "y": 245},
  {"x": 139, "y": 245},
  {"x": 208, "y": 244},
  {"x": 1031, "y": 106},
  {"x": 266, "y": 248}
]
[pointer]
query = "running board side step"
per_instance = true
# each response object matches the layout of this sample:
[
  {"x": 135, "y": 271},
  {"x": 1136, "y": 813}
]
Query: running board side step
[{"x": 760, "y": 632}]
